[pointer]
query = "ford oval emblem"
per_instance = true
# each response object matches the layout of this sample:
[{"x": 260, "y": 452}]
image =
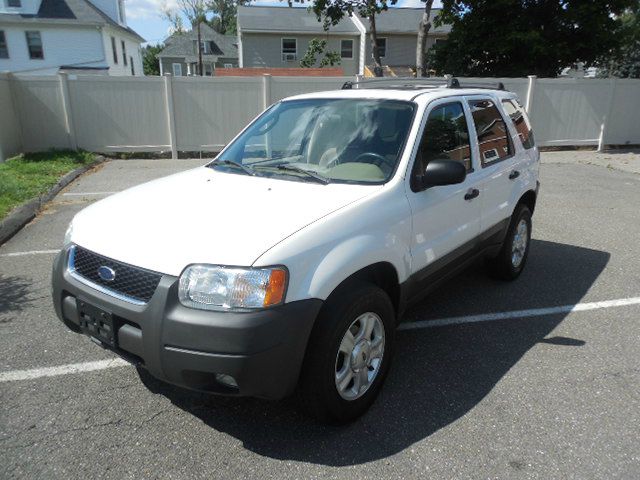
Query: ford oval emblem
[{"x": 106, "y": 273}]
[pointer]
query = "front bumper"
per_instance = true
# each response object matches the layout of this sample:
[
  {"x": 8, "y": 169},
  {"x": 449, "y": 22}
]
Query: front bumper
[{"x": 261, "y": 350}]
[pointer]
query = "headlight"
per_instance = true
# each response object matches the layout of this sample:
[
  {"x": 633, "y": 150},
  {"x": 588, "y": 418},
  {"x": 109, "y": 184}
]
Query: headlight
[
  {"x": 210, "y": 287},
  {"x": 67, "y": 235}
]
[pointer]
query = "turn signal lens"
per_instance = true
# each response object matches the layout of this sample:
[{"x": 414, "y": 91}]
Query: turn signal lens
[{"x": 276, "y": 287}]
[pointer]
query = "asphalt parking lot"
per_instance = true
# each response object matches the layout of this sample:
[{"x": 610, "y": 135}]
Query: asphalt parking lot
[{"x": 540, "y": 394}]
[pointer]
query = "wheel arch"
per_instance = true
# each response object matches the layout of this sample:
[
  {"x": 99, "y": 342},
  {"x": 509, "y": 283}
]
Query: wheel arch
[
  {"x": 529, "y": 199},
  {"x": 381, "y": 274}
]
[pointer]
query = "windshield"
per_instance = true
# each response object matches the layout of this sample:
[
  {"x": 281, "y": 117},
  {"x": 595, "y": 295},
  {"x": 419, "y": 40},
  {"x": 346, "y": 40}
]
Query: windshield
[{"x": 326, "y": 140}]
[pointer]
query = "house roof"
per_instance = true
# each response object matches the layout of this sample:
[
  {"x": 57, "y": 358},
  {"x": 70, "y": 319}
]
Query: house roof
[
  {"x": 403, "y": 20},
  {"x": 287, "y": 19},
  {"x": 70, "y": 12},
  {"x": 181, "y": 44}
]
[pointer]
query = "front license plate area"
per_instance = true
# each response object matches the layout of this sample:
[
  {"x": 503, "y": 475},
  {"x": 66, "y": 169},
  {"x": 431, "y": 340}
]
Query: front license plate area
[{"x": 96, "y": 323}]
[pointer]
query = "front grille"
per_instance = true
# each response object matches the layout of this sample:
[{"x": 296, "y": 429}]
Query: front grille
[{"x": 130, "y": 281}]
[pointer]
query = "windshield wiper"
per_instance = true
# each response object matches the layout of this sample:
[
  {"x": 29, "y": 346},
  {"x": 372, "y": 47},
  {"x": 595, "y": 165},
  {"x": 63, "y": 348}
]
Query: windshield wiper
[
  {"x": 292, "y": 168},
  {"x": 231, "y": 163}
]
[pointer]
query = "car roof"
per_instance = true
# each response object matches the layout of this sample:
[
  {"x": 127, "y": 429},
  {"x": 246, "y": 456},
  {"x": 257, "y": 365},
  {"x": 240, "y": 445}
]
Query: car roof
[{"x": 406, "y": 94}]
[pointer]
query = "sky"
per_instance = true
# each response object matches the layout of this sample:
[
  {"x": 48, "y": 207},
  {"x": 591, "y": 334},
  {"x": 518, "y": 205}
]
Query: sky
[{"x": 144, "y": 15}]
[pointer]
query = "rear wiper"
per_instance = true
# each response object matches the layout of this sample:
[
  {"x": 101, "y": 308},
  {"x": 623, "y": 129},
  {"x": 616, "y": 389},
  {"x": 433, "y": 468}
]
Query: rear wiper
[
  {"x": 231, "y": 163},
  {"x": 292, "y": 168}
]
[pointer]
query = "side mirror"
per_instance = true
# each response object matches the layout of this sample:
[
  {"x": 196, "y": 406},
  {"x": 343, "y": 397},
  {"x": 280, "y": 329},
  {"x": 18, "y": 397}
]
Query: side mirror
[{"x": 443, "y": 172}]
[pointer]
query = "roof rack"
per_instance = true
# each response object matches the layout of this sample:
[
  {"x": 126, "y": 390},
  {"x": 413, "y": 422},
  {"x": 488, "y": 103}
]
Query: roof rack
[{"x": 414, "y": 83}]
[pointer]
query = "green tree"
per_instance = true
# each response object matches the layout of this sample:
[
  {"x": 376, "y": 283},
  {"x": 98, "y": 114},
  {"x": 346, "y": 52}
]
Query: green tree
[
  {"x": 151, "y": 64},
  {"x": 330, "y": 12},
  {"x": 225, "y": 14},
  {"x": 624, "y": 62},
  {"x": 513, "y": 38},
  {"x": 318, "y": 47}
]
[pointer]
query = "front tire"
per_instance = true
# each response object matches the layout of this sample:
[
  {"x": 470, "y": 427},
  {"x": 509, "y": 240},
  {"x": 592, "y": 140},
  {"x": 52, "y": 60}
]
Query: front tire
[
  {"x": 348, "y": 355},
  {"x": 511, "y": 259}
]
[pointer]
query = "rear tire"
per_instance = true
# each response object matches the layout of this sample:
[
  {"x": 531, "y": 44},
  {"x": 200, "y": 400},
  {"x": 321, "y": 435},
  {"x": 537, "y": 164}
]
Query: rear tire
[
  {"x": 511, "y": 259},
  {"x": 348, "y": 355}
]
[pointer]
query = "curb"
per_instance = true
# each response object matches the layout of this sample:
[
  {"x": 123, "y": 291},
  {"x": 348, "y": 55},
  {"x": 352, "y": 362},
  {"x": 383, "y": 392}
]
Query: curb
[{"x": 26, "y": 212}]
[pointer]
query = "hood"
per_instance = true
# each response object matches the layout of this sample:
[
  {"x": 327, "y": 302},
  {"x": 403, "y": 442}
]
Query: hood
[{"x": 205, "y": 216}]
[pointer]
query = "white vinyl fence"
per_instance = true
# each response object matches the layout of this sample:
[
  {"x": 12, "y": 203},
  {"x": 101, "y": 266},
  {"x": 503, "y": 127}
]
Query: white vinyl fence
[{"x": 152, "y": 114}]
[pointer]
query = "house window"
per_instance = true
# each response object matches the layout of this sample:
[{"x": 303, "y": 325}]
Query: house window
[
  {"x": 228, "y": 65},
  {"x": 346, "y": 48},
  {"x": 4, "y": 51},
  {"x": 133, "y": 70},
  {"x": 124, "y": 53},
  {"x": 34, "y": 44},
  {"x": 381, "y": 43},
  {"x": 177, "y": 69},
  {"x": 14, "y": 3},
  {"x": 205, "y": 47},
  {"x": 289, "y": 49},
  {"x": 114, "y": 50}
]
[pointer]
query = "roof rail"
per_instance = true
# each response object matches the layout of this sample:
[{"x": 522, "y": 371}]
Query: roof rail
[
  {"x": 419, "y": 82},
  {"x": 455, "y": 83}
]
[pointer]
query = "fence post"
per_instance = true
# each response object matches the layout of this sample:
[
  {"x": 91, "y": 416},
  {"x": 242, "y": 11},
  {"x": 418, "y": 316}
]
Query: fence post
[
  {"x": 14, "y": 102},
  {"x": 530, "y": 89},
  {"x": 171, "y": 120},
  {"x": 605, "y": 119},
  {"x": 266, "y": 90},
  {"x": 66, "y": 106}
]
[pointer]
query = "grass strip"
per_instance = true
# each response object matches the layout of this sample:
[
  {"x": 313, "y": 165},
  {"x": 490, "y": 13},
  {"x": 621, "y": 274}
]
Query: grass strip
[{"x": 30, "y": 175}]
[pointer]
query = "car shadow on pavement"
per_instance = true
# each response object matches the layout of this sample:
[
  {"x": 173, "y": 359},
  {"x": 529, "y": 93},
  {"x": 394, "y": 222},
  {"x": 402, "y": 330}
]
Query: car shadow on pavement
[{"x": 438, "y": 375}]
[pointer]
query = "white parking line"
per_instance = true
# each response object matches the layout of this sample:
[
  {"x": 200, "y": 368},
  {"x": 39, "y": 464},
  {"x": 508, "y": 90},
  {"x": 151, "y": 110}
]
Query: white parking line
[
  {"x": 534, "y": 312},
  {"x": 32, "y": 252},
  {"x": 81, "y": 194},
  {"x": 17, "y": 375}
]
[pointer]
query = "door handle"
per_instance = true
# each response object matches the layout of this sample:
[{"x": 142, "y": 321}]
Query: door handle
[
  {"x": 514, "y": 174},
  {"x": 471, "y": 194}
]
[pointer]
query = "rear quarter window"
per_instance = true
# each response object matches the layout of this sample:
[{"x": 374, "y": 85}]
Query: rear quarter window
[
  {"x": 494, "y": 141},
  {"x": 520, "y": 121}
]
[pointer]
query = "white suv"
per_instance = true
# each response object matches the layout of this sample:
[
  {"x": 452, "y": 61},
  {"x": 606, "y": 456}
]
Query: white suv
[{"x": 289, "y": 260}]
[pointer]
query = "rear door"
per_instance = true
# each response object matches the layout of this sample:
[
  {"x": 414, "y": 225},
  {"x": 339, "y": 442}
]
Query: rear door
[
  {"x": 445, "y": 223},
  {"x": 498, "y": 158}
]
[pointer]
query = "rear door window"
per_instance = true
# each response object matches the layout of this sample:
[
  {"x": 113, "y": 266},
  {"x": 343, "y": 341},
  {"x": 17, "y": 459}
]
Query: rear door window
[
  {"x": 520, "y": 121},
  {"x": 493, "y": 136}
]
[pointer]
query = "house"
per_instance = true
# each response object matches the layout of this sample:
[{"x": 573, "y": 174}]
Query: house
[
  {"x": 280, "y": 36},
  {"x": 180, "y": 55},
  {"x": 44, "y": 37}
]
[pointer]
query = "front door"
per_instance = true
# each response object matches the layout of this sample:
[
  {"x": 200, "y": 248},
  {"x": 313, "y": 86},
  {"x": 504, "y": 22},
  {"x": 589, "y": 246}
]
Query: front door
[{"x": 446, "y": 219}]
